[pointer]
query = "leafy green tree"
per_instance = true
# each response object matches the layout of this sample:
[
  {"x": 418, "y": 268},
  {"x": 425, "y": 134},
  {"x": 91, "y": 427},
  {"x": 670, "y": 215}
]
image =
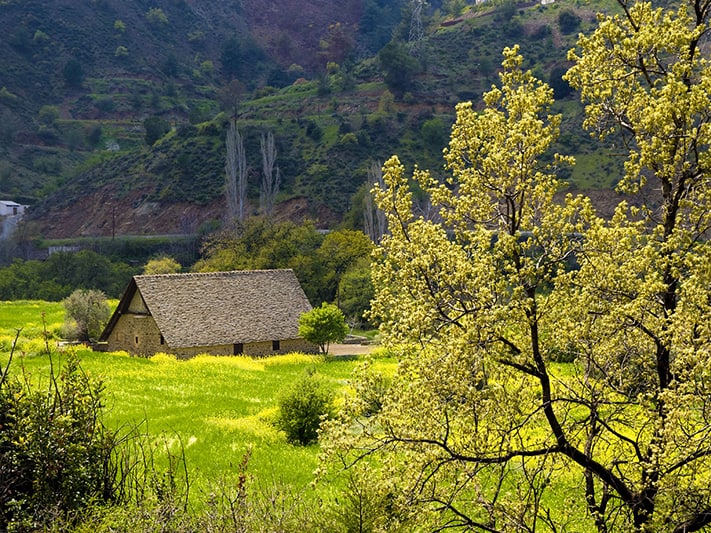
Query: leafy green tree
[
  {"x": 93, "y": 135},
  {"x": 399, "y": 67},
  {"x": 486, "y": 66},
  {"x": 56, "y": 278},
  {"x": 340, "y": 250},
  {"x": 480, "y": 429},
  {"x": 87, "y": 313},
  {"x": 88, "y": 270},
  {"x": 231, "y": 57},
  {"x": 323, "y": 325},
  {"x": 241, "y": 58},
  {"x": 40, "y": 38},
  {"x": 261, "y": 243},
  {"x": 434, "y": 133},
  {"x": 645, "y": 77},
  {"x": 48, "y": 115},
  {"x": 378, "y": 22},
  {"x": 355, "y": 291},
  {"x": 156, "y": 16},
  {"x": 561, "y": 88},
  {"x": 568, "y": 21}
]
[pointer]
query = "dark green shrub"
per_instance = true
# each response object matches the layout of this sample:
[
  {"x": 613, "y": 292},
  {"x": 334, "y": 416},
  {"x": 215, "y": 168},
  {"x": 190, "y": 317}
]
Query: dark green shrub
[
  {"x": 435, "y": 134},
  {"x": 55, "y": 453},
  {"x": 561, "y": 88},
  {"x": 155, "y": 128},
  {"x": 313, "y": 131},
  {"x": 302, "y": 408},
  {"x": 398, "y": 66},
  {"x": 568, "y": 21},
  {"x": 73, "y": 73}
]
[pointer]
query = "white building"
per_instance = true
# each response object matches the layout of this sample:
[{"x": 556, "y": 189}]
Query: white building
[{"x": 10, "y": 208}]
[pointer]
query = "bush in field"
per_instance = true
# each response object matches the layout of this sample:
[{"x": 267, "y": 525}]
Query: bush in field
[
  {"x": 62, "y": 469},
  {"x": 302, "y": 408},
  {"x": 87, "y": 314}
]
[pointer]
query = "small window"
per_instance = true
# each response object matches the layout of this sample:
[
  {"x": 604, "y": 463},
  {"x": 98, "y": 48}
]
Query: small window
[
  {"x": 238, "y": 349},
  {"x": 136, "y": 340},
  {"x": 162, "y": 340},
  {"x": 275, "y": 346}
]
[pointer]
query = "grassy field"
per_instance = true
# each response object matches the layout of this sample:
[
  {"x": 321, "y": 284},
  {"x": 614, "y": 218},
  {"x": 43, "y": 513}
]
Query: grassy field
[{"x": 214, "y": 408}]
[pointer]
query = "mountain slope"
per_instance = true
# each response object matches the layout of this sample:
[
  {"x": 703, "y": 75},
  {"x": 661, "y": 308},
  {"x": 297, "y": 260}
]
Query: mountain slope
[
  {"x": 119, "y": 61},
  {"x": 329, "y": 130}
]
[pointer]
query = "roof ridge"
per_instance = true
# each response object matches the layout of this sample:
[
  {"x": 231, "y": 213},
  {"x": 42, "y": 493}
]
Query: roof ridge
[{"x": 215, "y": 274}]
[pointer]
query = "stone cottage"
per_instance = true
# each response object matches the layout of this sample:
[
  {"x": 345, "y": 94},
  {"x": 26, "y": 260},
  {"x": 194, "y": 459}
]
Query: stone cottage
[{"x": 251, "y": 312}]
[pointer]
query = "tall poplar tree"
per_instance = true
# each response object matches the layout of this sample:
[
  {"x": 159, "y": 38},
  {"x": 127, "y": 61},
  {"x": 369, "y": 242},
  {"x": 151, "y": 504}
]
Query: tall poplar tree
[
  {"x": 270, "y": 178},
  {"x": 235, "y": 174}
]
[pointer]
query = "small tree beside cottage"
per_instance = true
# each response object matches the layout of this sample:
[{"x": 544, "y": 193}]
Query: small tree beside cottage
[
  {"x": 323, "y": 325},
  {"x": 87, "y": 312}
]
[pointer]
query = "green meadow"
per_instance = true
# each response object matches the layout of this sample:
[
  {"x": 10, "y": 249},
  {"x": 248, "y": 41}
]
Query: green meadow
[{"x": 215, "y": 410}]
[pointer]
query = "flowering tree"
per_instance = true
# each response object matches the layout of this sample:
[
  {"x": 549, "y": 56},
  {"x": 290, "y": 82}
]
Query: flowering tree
[{"x": 552, "y": 365}]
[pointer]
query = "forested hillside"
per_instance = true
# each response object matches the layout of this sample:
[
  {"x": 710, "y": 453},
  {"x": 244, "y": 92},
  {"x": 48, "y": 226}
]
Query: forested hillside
[{"x": 114, "y": 113}]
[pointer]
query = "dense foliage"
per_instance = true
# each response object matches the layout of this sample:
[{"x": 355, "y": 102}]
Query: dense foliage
[
  {"x": 162, "y": 265},
  {"x": 61, "y": 274},
  {"x": 319, "y": 261},
  {"x": 480, "y": 429},
  {"x": 355, "y": 291}
]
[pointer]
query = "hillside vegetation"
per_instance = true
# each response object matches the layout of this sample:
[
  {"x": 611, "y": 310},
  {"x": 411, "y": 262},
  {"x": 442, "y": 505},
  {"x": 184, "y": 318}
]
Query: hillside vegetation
[{"x": 126, "y": 112}]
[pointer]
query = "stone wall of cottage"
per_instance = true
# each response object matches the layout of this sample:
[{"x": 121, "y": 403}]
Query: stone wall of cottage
[
  {"x": 253, "y": 349},
  {"x": 136, "y": 334}
]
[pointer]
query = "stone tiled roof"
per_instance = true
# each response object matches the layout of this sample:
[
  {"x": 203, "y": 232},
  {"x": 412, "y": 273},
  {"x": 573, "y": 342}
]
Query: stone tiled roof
[{"x": 216, "y": 308}]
